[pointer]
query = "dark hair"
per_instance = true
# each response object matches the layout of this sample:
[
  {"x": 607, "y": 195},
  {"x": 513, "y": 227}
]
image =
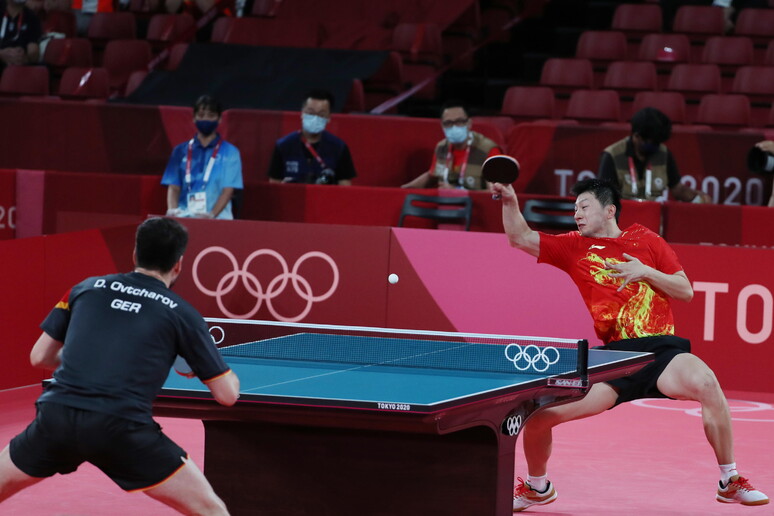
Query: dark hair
[
  {"x": 160, "y": 242},
  {"x": 652, "y": 125},
  {"x": 319, "y": 94},
  {"x": 453, "y": 103},
  {"x": 605, "y": 192},
  {"x": 208, "y": 104}
]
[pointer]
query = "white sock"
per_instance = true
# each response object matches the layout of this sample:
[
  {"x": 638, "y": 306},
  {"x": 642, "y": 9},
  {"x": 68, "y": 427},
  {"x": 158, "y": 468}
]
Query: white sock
[
  {"x": 727, "y": 471},
  {"x": 539, "y": 484}
]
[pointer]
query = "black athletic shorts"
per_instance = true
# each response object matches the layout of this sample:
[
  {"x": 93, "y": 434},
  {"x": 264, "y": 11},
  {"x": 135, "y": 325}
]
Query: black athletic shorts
[
  {"x": 642, "y": 384},
  {"x": 134, "y": 455}
]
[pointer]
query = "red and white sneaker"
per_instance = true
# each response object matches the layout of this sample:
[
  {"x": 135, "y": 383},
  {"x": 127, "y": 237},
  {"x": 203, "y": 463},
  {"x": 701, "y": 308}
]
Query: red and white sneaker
[
  {"x": 739, "y": 490},
  {"x": 524, "y": 496}
]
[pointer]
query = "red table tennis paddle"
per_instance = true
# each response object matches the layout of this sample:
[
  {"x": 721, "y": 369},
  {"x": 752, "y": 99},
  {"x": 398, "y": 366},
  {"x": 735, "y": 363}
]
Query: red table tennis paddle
[{"x": 500, "y": 169}]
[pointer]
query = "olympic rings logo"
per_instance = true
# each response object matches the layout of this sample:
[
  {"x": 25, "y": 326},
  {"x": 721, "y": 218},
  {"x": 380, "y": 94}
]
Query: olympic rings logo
[
  {"x": 532, "y": 357},
  {"x": 512, "y": 425},
  {"x": 275, "y": 287}
]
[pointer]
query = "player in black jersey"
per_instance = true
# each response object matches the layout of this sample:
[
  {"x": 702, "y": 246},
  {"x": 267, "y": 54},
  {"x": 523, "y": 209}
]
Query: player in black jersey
[{"x": 111, "y": 341}]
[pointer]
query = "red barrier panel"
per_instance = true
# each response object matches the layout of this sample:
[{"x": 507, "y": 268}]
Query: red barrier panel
[
  {"x": 387, "y": 150},
  {"x": 7, "y": 204}
]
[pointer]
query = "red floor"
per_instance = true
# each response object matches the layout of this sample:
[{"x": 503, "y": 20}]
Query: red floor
[{"x": 648, "y": 458}]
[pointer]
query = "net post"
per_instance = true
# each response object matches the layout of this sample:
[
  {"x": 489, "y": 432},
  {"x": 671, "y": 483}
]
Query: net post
[{"x": 583, "y": 361}]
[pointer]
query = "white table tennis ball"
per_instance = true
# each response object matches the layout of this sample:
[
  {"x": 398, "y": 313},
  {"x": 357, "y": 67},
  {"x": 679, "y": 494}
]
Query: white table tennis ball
[{"x": 393, "y": 278}]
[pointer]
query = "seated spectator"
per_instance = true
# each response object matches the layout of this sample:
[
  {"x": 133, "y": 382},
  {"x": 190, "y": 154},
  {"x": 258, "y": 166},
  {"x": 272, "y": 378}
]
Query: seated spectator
[
  {"x": 19, "y": 34},
  {"x": 312, "y": 155},
  {"x": 642, "y": 167},
  {"x": 458, "y": 158},
  {"x": 203, "y": 173}
]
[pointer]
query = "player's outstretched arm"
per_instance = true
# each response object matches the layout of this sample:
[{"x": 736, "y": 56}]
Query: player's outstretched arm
[
  {"x": 46, "y": 353},
  {"x": 516, "y": 228},
  {"x": 225, "y": 389}
]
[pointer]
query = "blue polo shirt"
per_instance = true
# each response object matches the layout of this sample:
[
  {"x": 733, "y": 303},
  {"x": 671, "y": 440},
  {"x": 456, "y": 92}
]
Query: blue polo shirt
[
  {"x": 292, "y": 162},
  {"x": 226, "y": 172}
]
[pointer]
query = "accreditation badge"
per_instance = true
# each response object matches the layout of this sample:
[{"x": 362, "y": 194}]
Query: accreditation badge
[{"x": 197, "y": 202}]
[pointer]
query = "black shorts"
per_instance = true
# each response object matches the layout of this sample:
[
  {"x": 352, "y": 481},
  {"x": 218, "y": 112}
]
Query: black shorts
[
  {"x": 133, "y": 454},
  {"x": 642, "y": 384}
]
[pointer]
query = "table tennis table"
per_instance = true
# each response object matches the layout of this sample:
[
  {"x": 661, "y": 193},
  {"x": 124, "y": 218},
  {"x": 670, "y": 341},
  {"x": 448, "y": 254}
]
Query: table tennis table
[{"x": 354, "y": 425}]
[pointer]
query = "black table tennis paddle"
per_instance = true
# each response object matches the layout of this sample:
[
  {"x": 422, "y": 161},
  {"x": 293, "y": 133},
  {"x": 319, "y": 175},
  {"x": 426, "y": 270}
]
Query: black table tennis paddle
[{"x": 500, "y": 169}]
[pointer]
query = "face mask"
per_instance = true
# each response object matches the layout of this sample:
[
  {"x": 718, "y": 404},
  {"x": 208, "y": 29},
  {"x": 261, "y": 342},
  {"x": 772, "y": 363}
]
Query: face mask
[
  {"x": 456, "y": 134},
  {"x": 648, "y": 149},
  {"x": 206, "y": 127},
  {"x": 313, "y": 124}
]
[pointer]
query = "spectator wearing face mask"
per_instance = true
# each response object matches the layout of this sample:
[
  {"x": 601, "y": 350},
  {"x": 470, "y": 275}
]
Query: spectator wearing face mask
[
  {"x": 19, "y": 34},
  {"x": 642, "y": 167},
  {"x": 312, "y": 154},
  {"x": 458, "y": 158},
  {"x": 203, "y": 173}
]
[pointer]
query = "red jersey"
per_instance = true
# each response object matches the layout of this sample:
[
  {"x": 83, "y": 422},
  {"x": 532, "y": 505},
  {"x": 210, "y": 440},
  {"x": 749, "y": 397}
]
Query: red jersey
[{"x": 639, "y": 310}]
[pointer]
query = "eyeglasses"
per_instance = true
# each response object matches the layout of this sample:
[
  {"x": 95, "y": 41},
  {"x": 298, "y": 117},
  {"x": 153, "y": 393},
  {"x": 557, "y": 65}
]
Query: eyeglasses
[{"x": 460, "y": 122}]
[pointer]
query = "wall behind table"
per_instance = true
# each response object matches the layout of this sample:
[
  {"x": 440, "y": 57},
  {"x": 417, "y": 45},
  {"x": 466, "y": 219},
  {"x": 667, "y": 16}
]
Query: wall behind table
[
  {"x": 449, "y": 280},
  {"x": 38, "y": 273}
]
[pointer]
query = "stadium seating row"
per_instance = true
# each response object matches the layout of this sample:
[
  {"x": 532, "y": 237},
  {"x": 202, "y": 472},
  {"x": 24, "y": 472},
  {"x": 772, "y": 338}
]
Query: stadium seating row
[{"x": 713, "y": 111}]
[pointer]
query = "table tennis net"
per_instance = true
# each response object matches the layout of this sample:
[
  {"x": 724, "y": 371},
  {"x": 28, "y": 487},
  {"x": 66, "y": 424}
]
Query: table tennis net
[{"x": 436, "y": 350}]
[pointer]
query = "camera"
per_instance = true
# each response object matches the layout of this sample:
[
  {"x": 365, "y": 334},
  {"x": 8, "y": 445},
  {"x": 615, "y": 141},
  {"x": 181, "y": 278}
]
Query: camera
[
  {"x": 760, "y": 161},
  {"x": 326, "y": 177}
]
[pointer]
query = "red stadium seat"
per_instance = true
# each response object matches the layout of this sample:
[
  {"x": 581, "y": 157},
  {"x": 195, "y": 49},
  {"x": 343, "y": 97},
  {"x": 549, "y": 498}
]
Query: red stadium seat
[
  {"x": 666, "y": 51},
  {"x": 636, "y": 21},
  {"x": 757, "y": 83},
  {"x": 768, "y": 58},
  {"x": 84, "y": 83},
  {"x": 64, "y": 52},
  {"x": 699, "y": 22},
  {"x": 724, "y": 111},
  {"x": 567, "y": 74},
  {"x": 24, "y": 80},
  {"x": 421, "y": 48},
  {"x": 355, "y": 102},
  {"x": 694, "y": 80},
  {"x": 758, "y": 25},
  {"x": 176, "y": 54},
  {"x": 627, "y": 77},
  {"x": 729, "y": 53},
  {"x": 524, "y": 103},
  {"x": 106, "y": 27},
  {"x": 270, "y": 32},
  {"x": 164, "y": 29},
  {"x": 122, "y": 57},
  {"x": 588, "y": 106},
  {"x": 601, "y": 48},
  {"x": 387, "y": 82},
  {"x": 62, "y": 22},
  {"x": 671, "y": 103}
]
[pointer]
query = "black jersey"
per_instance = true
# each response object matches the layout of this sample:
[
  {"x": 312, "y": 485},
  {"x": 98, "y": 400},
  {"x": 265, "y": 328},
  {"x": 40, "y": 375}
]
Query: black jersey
[{"x": 121, "y": 334}]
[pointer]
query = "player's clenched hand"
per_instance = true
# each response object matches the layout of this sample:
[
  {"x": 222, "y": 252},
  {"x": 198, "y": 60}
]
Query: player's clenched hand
[
  {"x": 505, "y": 192},
  {"x": 631, "y": 270}
]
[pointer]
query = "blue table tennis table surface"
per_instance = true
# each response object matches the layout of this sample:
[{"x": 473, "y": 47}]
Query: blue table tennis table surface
[{"x": 387, "y": 373}]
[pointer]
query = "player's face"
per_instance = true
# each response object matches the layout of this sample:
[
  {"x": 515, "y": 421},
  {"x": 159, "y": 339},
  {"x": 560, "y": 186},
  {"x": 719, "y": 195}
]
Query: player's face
[
  {"x": 591, "y": 217},
  {"x": 206, "y": 114}
]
